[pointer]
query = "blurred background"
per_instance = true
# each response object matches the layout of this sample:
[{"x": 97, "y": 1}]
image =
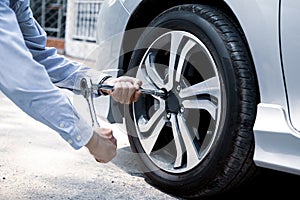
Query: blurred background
[{"x": 70, "y": 25}]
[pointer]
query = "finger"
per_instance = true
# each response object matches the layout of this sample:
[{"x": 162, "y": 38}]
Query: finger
[
  {"x": 125, "y": 79},
  {"x": 125, "y": 96},
  {"x": 114, "y": 141},
  {"x": 128, "y": 88},
  {"x": 130, "y": 94},
  {"x": 137, "y": 84},
  {"x": 134, "y": 81},
  {"x": 112, "y": 137},
  {"x": 100, "y": 161},
  {"x": 136, "y": 96},
  {"x": 105, "y": 132},
  {"x": 117, "y": 93}
]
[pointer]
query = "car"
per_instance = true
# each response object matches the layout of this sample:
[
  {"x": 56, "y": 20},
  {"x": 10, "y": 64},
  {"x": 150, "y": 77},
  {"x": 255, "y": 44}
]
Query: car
[{"x": 229, "y": 72}]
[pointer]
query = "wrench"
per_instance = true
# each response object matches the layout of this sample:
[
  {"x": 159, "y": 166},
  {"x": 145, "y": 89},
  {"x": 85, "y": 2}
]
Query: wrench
[
  {"x": 88, "y": 89},
  {"x": 155, "y": 92}
]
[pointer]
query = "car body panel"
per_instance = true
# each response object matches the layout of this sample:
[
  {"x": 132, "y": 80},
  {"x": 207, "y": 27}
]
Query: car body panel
[
  {"x": 109, "y": 40},
  {"x": 290, "y": 44},
  {"x": 109, "y": 33},
  {"x": 131, "y": 5},
  {"x": 277, "y": 143},
  {"x": 265, "y": 47}
]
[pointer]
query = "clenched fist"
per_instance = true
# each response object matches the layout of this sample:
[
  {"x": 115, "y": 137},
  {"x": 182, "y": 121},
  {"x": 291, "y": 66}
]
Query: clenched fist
[
  {"x": 126, "y": 89},
  {"x": 102, "y": 145}
]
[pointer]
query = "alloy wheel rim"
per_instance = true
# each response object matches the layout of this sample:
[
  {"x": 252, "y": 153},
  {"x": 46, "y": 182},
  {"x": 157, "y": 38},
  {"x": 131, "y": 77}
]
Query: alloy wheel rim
[{"x": 177, "y": 132}]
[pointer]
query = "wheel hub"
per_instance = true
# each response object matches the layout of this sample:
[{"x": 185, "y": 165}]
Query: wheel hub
[{"x": 172, "y": 103}]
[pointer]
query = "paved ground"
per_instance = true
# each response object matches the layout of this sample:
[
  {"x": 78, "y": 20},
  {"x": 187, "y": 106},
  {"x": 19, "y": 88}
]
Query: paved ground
[{"x": 35, "y": 163}]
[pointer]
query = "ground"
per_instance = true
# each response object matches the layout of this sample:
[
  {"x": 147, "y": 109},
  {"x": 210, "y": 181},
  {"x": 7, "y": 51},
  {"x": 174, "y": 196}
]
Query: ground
[{"x": 35, "y": 163}]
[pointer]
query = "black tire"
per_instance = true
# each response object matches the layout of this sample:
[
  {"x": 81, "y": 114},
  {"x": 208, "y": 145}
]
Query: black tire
[{"x": 223, "y": 139}]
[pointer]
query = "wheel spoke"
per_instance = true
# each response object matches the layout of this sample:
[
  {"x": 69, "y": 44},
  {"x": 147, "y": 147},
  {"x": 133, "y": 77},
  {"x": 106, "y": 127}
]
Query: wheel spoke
[
  {"x": 151, "y": 71},
  {"x": 187, "y": 47},
  {"x": 147, "y": 82},
  {"x": 201, "y": 104},
  {"x": 158, "y": 115},
  {"x": 178, "y": 142},
  {"x": 176, "y": 38},
  {"x": 210, "y": 86},
  {"x": 149, "y": 142},
  {"x": 192, "y": 152}
]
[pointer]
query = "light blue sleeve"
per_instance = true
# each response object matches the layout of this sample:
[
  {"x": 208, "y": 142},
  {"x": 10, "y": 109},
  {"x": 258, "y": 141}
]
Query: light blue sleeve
[
  {"x": 63, "y": 72},
  {"x": 25, "y": 70}
]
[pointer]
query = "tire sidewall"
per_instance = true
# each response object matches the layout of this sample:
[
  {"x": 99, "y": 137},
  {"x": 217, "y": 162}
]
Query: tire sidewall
[{"x": 213, "y": 164}]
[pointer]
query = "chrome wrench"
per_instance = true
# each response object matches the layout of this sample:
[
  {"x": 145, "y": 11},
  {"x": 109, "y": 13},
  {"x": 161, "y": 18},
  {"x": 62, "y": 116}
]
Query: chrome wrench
[
  {"x": 155, "y": 92},
  {"x": 88, "y": 90}
]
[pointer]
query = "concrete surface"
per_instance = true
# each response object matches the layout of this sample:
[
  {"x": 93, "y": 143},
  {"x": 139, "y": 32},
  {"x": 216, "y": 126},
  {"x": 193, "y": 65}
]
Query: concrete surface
[{"x": 35, "y": 163}]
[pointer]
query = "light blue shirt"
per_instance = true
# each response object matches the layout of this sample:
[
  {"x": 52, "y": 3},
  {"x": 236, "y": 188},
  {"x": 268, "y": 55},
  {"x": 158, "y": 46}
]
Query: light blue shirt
[{"x": 30, "y": 74}]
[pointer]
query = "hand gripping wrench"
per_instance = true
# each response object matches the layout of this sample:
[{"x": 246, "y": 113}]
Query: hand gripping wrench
[
  {"x": 155, "y": 92},
  {"x": 88, "y": 90}
]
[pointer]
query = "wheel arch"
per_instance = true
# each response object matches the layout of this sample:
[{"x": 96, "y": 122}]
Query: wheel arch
[{"x": 142, "y": 16}]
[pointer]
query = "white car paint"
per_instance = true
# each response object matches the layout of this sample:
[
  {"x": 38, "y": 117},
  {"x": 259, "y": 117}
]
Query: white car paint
[
  {"x": 277, "y": 142},
  {"x": 290, "y": 44}
]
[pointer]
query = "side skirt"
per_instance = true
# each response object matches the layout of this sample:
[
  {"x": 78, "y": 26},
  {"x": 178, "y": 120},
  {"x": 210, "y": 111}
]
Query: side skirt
[{"x": 277, "y": 143}]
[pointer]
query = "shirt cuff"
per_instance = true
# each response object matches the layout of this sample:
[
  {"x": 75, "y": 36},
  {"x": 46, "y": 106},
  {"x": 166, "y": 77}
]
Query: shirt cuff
[{"x": 82, "y": 134}]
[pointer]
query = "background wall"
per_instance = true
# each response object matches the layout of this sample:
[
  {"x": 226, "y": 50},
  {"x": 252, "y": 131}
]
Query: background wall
[{"x": 70, "y": 25}]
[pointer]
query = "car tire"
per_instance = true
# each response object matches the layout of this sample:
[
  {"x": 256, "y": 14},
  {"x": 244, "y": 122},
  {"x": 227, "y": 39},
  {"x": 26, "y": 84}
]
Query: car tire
[{"x": 198, "y": 140}]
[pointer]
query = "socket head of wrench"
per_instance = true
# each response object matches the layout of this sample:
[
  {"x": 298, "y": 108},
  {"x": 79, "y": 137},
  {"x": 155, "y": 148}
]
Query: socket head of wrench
[{"x": 84, "y": 88}]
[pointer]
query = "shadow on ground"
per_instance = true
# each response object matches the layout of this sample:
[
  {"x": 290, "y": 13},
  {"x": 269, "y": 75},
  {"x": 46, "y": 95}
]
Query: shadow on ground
[
  {"x": 270, "y": 183},
  {"x": 126, "y": 161}
]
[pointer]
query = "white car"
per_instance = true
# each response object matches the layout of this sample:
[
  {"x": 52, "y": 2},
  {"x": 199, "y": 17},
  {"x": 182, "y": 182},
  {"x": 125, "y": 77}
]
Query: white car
[{"x": 230, "y": 72}]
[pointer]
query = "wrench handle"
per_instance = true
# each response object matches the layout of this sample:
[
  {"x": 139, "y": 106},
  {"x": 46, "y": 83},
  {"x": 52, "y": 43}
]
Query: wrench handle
[
  {"x": 159, "y": 93},
  {"x": 106, "y": 87}
]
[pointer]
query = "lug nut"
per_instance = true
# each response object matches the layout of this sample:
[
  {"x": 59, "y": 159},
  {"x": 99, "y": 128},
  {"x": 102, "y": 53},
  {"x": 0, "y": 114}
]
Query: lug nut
[
  {"x": 168, "y": 115},
  {"x": 182, "y": 109}
]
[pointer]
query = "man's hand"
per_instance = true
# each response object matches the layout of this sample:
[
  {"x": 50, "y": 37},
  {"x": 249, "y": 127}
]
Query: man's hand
[
  {"x": 102, "y": 145},
  {"x": 126, "y": 89}
]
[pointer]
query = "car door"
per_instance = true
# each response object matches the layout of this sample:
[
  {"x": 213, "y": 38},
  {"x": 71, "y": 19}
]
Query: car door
[{"x": 290, "y": 51}]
